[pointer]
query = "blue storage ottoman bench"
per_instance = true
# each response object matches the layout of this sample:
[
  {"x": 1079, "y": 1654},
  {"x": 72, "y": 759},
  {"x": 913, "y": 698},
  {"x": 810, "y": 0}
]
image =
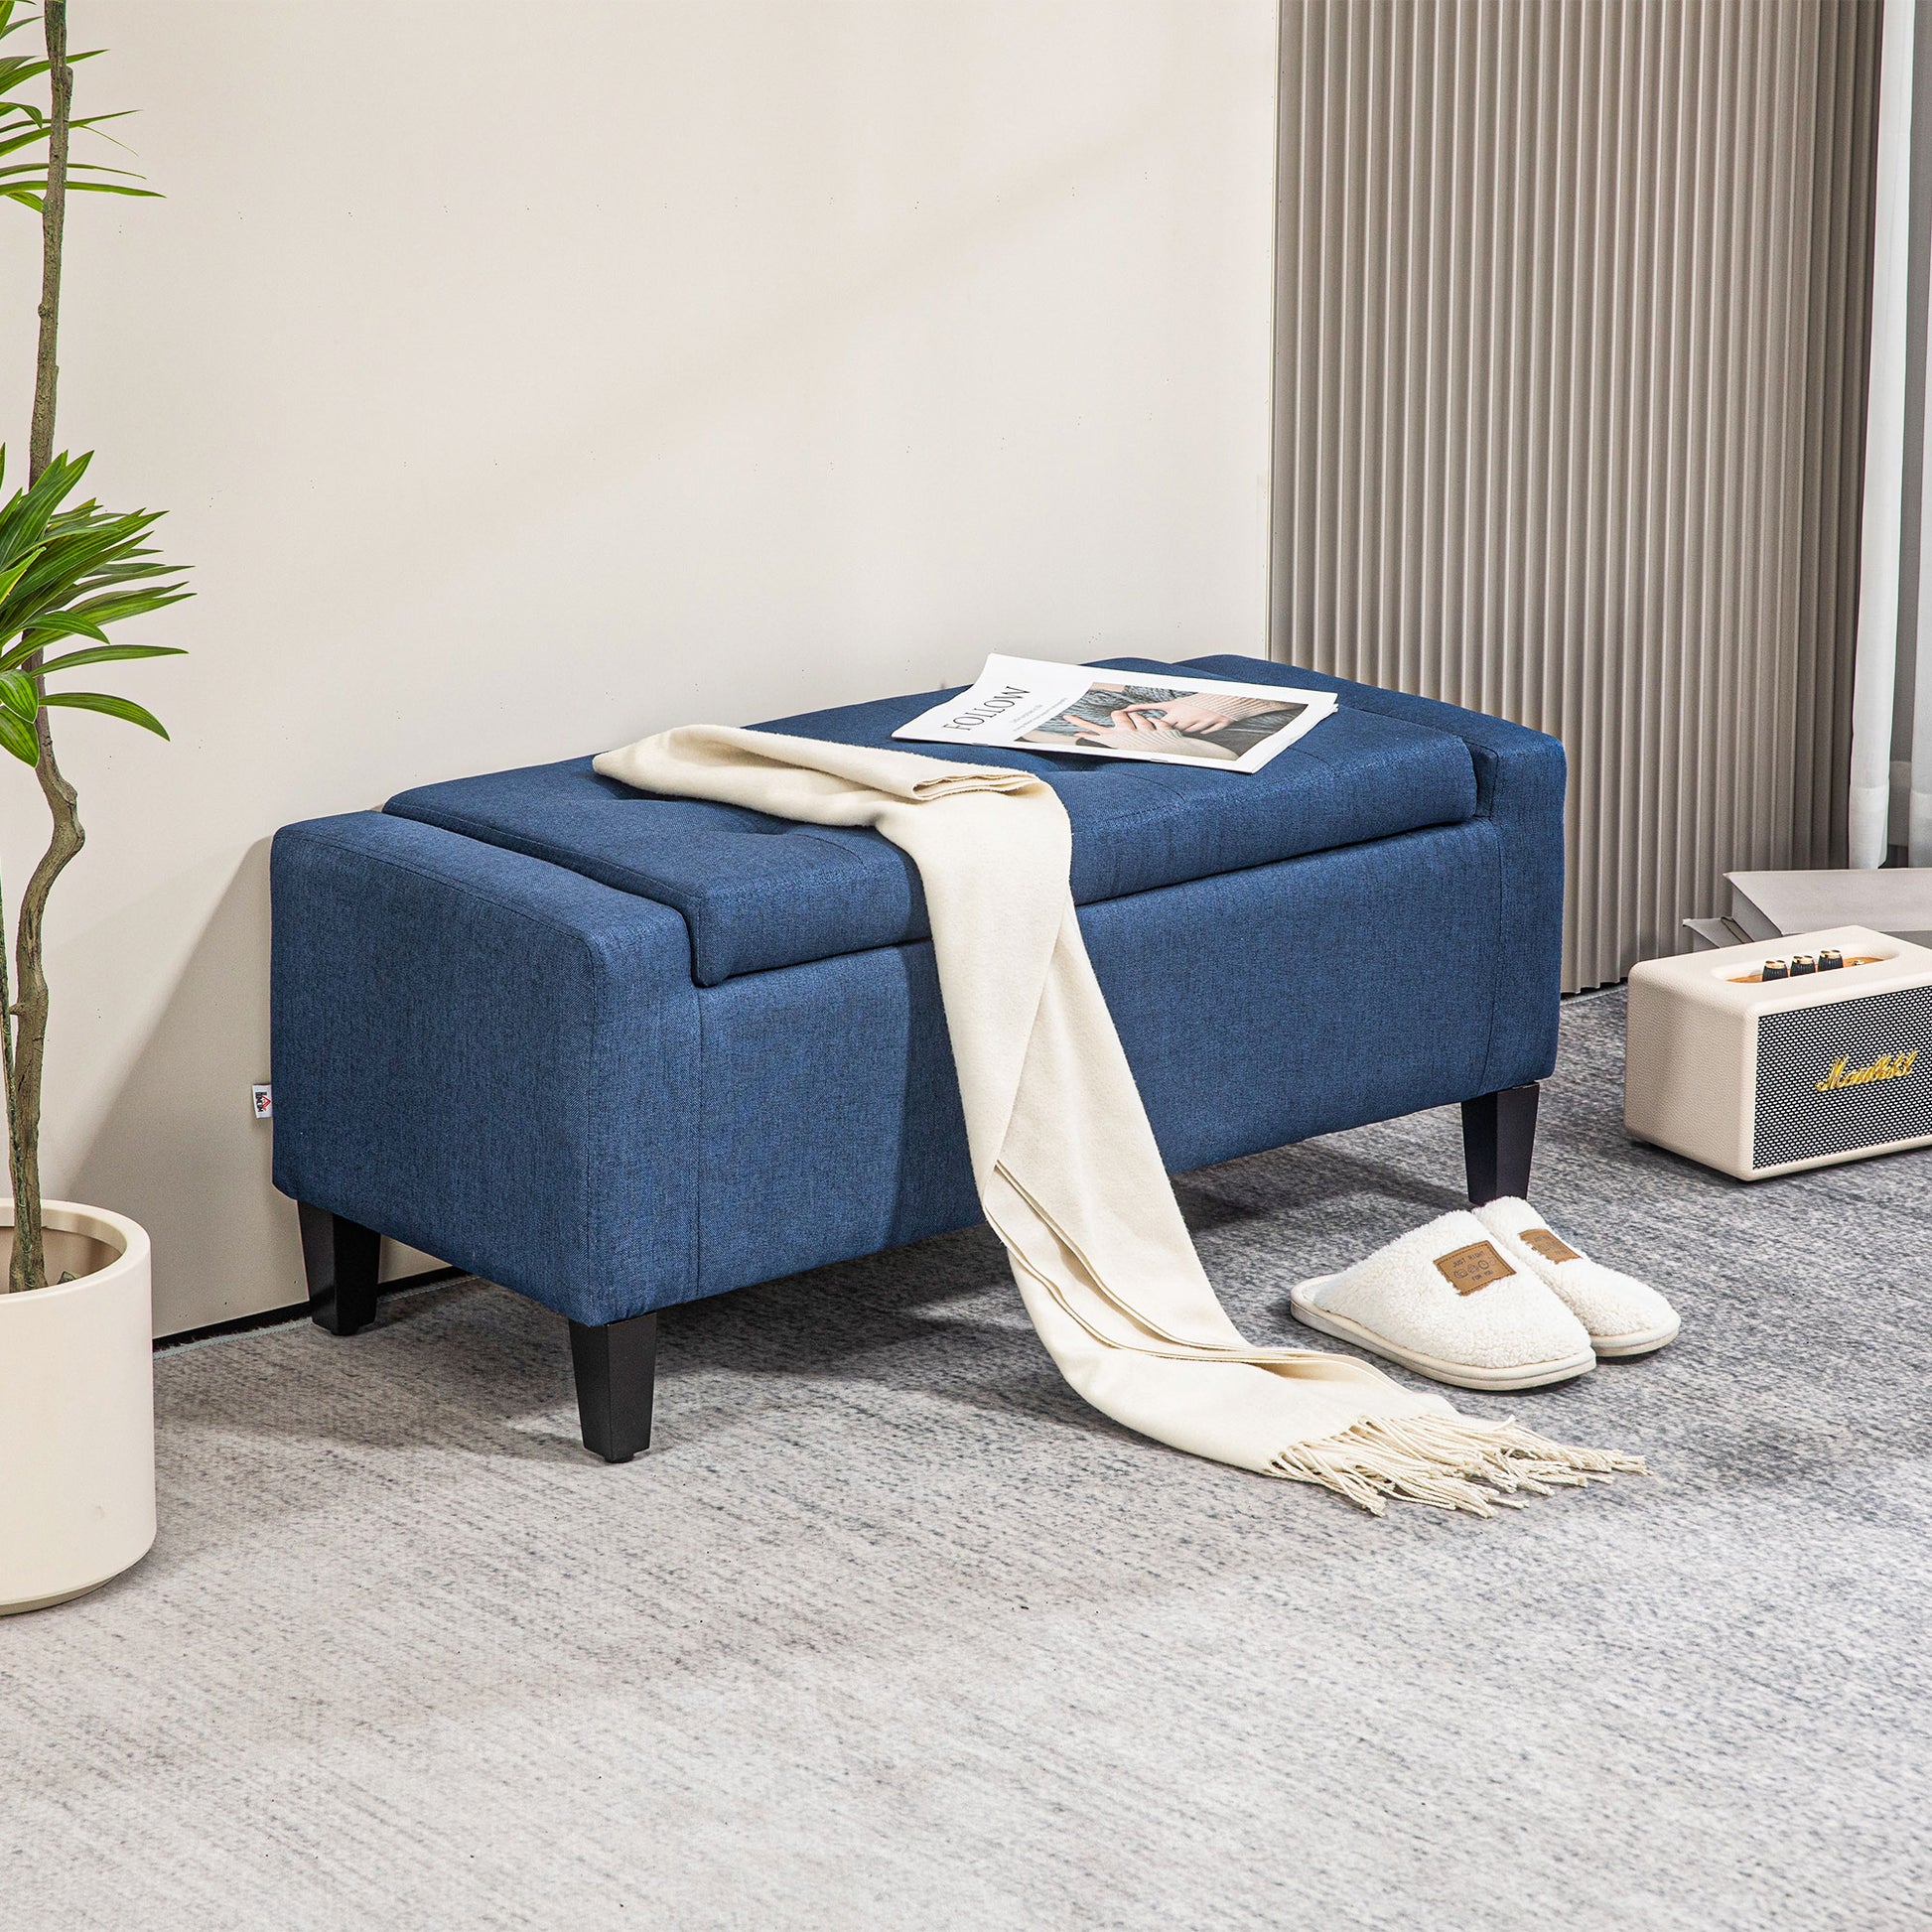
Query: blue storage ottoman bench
[{"x": 617, "y": 1051}]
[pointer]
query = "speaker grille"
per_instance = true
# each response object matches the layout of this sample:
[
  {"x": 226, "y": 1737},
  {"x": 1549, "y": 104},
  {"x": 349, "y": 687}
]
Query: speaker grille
[{"x": 1797, "y": 1049}]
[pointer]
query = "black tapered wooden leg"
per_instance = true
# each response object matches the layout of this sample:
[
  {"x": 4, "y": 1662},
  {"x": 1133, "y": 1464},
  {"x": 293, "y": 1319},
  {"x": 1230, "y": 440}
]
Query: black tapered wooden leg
[
  {"x": 340, "y": 1259},
  {"x": 1498, "y": 1139},
  {"x": 616, "y": 1366}
]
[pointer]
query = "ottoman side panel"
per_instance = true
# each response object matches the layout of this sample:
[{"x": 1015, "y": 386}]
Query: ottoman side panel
[
  {"x": 1256, "y": 1008},
  {"x": 1520, "y": 776},
  {"x": 488, "y": 1058},
  {"x": 832, "y": 1124},
  {"x": 1261, "y": 1008}
]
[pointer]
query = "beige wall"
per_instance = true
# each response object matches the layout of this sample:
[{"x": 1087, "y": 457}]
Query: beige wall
[{"x": 521, "y": 379}]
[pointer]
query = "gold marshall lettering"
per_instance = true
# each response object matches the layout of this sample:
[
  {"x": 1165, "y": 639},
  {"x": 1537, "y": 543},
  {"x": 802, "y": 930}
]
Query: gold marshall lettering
[{"x": 1885, "y": 1067}]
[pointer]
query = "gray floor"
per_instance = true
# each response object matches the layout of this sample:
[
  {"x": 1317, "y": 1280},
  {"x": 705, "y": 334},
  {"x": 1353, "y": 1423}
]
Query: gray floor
[{"x": 889, "y": 1632}]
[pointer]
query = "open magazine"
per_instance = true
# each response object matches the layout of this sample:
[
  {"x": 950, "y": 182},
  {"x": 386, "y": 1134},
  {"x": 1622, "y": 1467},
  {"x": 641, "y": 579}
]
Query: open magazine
[{"x": 1028, "y": 705}]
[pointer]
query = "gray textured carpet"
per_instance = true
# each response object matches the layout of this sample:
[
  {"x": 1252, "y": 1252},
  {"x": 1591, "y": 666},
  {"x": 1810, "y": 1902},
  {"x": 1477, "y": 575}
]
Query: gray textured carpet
[{"x": 889, "y": 1631}]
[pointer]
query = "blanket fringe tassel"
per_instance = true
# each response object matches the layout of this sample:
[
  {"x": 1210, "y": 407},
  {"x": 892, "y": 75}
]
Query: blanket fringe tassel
[{"x": 1446, "y": 1462}]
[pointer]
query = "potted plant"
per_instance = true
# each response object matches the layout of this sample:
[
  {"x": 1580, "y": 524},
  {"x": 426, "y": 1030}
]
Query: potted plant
[{"x": 76, "y": 1383}]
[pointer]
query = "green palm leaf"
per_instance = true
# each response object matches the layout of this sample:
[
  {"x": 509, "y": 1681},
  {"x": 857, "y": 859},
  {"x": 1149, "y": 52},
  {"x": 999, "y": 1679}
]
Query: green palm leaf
[
  {"x": 124, "y": 708},
  {"x": 18, "y": 694},
  {"x": 106, "y": 655},
  {"x": 63, "y": 623},
  {"x": 23, "y": 126},
  {"x": 18, "y": 738},
  {"x": 70, "y": 570},
  {"x": 84, "y": 620},
  {"x": 9, "y": 577}
]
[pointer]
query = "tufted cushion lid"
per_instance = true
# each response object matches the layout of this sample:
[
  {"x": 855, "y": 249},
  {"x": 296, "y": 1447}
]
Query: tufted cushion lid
[{"x": 759, "y": 892}]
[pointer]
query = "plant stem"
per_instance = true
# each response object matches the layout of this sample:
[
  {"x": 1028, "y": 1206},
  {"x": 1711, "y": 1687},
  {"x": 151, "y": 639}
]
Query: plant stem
[
  {"x": 54, "y": 219},
  {"x": 29, "y": 1268},
  {"x": 7, "y": 1067},
  {"x": 27, "y": 1015}
]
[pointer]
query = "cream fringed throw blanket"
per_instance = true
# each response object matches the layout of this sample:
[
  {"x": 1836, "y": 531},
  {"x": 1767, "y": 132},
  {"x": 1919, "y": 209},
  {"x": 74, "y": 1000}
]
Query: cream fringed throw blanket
[{"x": 1065, "y": 1162}]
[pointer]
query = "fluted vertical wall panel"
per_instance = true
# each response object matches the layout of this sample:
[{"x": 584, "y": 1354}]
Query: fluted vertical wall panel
[{"x": 1570, "y": 343}]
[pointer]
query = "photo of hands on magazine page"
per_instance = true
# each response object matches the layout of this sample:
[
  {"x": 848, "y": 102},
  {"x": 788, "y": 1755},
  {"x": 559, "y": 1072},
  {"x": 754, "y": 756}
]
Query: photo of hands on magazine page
[{"x": 1025, "y": 704}]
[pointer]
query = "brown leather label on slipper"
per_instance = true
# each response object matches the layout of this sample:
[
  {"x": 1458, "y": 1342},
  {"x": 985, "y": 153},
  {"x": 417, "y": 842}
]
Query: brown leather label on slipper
[
  {"x": 1473, "y": 1267},
  {"x": 1543, "y": 1242}
]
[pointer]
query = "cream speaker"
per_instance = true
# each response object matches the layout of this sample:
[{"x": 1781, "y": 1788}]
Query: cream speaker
[{"x": 1782, "y": 1054}]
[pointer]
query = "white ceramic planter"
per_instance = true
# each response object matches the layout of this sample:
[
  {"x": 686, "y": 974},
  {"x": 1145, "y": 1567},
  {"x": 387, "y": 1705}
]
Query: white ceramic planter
[{"x": 77, "y": 1410}]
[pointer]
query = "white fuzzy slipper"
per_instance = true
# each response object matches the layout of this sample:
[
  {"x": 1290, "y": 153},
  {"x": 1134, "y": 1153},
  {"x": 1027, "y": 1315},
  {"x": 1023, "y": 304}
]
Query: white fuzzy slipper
[
  {"x": 1624, "y": 1317},
  {"x": 1447, "y": 1302}
]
